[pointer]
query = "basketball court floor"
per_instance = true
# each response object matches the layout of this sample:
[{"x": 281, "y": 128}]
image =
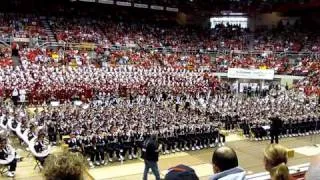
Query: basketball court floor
[{"x": 250, "y": 154}]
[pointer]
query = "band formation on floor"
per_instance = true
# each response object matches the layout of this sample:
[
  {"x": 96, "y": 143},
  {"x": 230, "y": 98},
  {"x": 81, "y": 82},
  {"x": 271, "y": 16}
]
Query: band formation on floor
[{"x": 114, "y": 128}]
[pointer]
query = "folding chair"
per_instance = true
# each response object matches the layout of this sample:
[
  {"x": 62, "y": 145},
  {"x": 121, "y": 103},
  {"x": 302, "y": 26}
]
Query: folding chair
[
  {"x": 35, "y": 155},
  {"x": 3, "y": 169},
  {"x": 38, "y": 164}
]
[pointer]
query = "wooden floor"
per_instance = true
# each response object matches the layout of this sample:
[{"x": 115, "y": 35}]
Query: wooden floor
[{"x": 249, "y": 154}]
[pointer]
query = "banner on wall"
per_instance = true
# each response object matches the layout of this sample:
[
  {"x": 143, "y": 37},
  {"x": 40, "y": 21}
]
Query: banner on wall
[
  {"x": 106, "y": 1},
  {"x": 138, "y": 5},
  {"x": 171, "y": 9},
  {"x": 88, "y": 0},
  {"x": 240, "y": 73},
  {"x": 156, "y": 7},
  {"x": 123, "y": 3}
]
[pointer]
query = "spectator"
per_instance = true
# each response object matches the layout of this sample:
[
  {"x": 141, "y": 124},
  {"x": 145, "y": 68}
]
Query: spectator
[
  {"x": 181, "y": 172},
  {"x": 225, "y": 165},
  {"x": 275, "y": 162},
  {"x": 314, "y": 169},
  {"x": 64, "y": 167}
]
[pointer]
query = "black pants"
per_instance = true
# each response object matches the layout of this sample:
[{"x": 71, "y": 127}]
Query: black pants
[
  {"x": 187, "y": 106},
  {"x": 52, "y": 137},
  {"x": 228, "y": 125},
  {"x": 110, "y": 151},
  {"x": 41, "y": 160},
  {"x": 15, "y": 100},
  {"x": 113, "y": 147},
  {"x": 170, "y": 144},
  {"x": 274, "y": 137},
  {"x": 12, "y": 165},
  {"x": 192, "y": 141},
  {"x": 246, "y": 130},
  {"x": 177, "y": 107},
  {"x": 222, "y": 138},
  {"x": 137, "y": 145},
  {"x": 181, "y": 141},
  {"x": 127, "y": 147},
  {"x": 89, "y": 151},
  {"x": 295, "y": 129},
  {"x": 212, "y": 138},
  {"x": 258, "y": 132},
  {"x": 284, "y": 131},
  {"x": 99, "y": 153}
]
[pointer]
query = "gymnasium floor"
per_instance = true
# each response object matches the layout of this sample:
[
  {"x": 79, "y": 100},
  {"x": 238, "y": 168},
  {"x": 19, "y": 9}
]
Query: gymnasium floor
[{"x": 249, "y": 154}]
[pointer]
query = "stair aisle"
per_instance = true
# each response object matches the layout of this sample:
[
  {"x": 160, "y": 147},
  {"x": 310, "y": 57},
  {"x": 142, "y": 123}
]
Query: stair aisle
[{"x": 48, "y": 30}]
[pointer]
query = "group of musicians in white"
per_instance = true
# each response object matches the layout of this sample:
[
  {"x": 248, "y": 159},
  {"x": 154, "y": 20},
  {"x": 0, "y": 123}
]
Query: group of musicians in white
[
  {"x": 33, "y": 141},
  {"x": 9, "y": 157},
  {"x": 115, "y": 126}
]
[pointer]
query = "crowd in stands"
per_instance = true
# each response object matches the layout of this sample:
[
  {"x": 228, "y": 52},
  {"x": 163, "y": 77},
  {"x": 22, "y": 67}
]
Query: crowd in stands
[
  {"x": 148, "y": 46},
  {"x": 22, "y": 26},
  {"x": 108, "y": 32},
  {"x": 76, "y": 30},
  {"x": 282, "y": 64},
  {"x": 283, "y": 39},
  {"x": 5, "y": 56}
]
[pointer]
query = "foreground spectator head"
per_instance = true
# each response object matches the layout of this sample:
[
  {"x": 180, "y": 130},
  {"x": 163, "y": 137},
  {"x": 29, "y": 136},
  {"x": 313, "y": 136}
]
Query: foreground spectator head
[
  {"x": 65, "y": 167},
  {"x": 225, "y": 164},
  {"x": 275, "y": 162},
  {"x": 314, "y": 169},
  {"x": 181, "y": 172}
]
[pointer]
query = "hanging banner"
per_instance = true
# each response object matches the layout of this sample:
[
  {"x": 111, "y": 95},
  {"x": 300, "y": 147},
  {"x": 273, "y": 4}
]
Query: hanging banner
[
  {"x": 267, "y": 74},
  {"x": 155, "y": 7},
  {"x": 171, "y": 9},
  {"x": 137, "y": 5},
  {"x": 122, "y": 3},
  {"x": 106, "y": 1},
  {"x": 88, "y": 0}
]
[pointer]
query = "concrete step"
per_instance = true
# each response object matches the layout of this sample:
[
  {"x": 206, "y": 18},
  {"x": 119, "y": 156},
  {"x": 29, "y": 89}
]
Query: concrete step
[{"x": 48, "y": 31}]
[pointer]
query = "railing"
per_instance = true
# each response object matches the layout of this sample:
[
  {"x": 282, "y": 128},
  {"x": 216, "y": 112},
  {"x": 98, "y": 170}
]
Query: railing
[
  {"x": 302, "y": 168},
  {"x": 5, "y": 41},
  {"x": 179, "y": 50}
]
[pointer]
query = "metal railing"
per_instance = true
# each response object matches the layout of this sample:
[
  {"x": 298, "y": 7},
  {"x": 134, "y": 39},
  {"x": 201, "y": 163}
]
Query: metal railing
[
  {"x": 292, "y": 170},
  {"x": 169, "y": 49},
  {"x": 5, "y": 41}
]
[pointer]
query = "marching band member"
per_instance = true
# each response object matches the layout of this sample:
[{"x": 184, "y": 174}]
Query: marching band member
[
  {"x": 41, "y": 148},
  {"x": 100, "y": 144},
  {"x": 137, "y": 140},
  {"x": 32, "y": 133},
  {"x": 74, "y": 143},
  {"x": 87, "y": 148},
  {"x": 52, "y": 133},
  {"x": 7, "y": 156},
  {"x": 127, "y": 144},
  {"x": 121, "y": 149},
  {"x": 113, "y": 146}
]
